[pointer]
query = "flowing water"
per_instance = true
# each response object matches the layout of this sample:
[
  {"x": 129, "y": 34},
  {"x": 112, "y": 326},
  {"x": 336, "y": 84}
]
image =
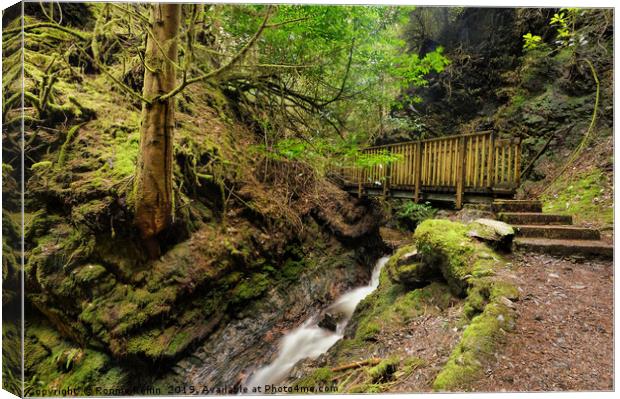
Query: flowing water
[{"x": 309, "y": 340}]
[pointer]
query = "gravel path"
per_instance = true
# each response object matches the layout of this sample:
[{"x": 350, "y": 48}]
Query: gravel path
[{"x": 564, "y": 335}]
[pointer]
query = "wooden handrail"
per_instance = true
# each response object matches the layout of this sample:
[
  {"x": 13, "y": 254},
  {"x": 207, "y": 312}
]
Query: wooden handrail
[
  {"x": 453, "y": 136},
  {"x": 456, "y": 163}
]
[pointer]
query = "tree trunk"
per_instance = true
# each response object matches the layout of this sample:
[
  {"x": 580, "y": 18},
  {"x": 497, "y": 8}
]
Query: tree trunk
[{"x": 153, "y": 185}]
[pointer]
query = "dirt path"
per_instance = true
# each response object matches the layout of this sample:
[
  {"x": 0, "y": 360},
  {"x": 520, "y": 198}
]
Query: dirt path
[{"x": 564, "y": 334}]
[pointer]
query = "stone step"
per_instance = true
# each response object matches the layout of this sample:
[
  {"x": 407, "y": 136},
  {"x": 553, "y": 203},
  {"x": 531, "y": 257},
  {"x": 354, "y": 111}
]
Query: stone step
[
  {"x": 557, "y": 231},
  {"x": 565, "y": 247},
  {"x": 517, "y": 206},
  {"x": 529, "y": 218}
]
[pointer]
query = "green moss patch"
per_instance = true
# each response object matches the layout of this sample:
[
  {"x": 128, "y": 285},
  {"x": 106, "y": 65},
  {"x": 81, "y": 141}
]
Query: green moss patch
[
  {"x": 446, "y": 246},
  {"x": 53, "y": 362},
  {"x": 585, "y": 196},
  {"x": 478, "y": 345}
]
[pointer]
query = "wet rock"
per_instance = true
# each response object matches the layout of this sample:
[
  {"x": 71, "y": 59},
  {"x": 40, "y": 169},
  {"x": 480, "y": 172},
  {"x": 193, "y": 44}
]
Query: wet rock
[{"x": 330, "y": 321}]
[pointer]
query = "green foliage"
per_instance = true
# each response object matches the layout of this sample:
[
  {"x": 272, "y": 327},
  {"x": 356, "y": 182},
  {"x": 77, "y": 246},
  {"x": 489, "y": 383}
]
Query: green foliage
[
  {"x": 411, "y": 214},
  {"x": 531, "y": 41},
  {"x": 564, "y": 21},
  {"x": 351, "y": 61},
  {"x": 412, "y": 69},
  {"x": 382, "y": 158}
]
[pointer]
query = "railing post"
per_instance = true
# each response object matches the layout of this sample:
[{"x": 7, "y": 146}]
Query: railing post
[
  {"x": 388, "y": 172},
  {"x": 460, "y": 176},
  {"x": 418, "y": 171},
  {"x": 491, "y": 161}
]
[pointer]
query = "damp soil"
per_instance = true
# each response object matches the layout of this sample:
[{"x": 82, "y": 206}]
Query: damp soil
[{"x": 563, "y": 339}]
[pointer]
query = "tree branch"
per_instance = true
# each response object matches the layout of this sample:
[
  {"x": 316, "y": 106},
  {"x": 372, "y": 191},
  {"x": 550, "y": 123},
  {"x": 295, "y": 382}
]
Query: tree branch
[
  {"x": 224, "y": 67},
  {"x": 52, "y": 25}
]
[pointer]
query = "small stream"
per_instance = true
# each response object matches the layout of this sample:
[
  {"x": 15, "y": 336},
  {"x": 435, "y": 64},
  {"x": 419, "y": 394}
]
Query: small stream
[{"x": 309, "y": 340}]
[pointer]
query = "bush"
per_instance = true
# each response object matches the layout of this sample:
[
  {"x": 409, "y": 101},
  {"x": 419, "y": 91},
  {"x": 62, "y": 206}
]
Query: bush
[{"x": 410, "y": 214}]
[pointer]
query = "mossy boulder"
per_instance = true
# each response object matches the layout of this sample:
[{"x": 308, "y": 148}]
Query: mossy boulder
[
  {"x": 478, "y": 345},
  {"x": 470, "y": 268},
  {"x": 444, "y": 245},
  {"x": 405, "y": 267}
]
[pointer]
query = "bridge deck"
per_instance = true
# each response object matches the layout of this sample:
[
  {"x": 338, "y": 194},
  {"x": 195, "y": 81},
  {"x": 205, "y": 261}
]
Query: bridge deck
[{"x": 456, "y": 167}]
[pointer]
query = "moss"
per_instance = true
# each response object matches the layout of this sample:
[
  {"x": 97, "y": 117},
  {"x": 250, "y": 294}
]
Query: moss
[
  {"x": 89, "y": 273},
  {"x": 87, "y": 372},
  {"x": 92, "y": 216},
  {"x": 156, "y": 343},
  {"x": 252, "y": 288},
  {"x": 125, "y": 154},
  {"x": 404, "y": 267},
  {"x": 292, "y": 269},
  {"x": 445, "y": 244},
  {"x": 583, "y": 196},
  {"x": 390, "y": 307},
  {"x": 65, "y": 365},
  {"x": 40, "y": 165},
  {"x": 62, "y": 155},
  {"x": 319, "y": 377},
  {"x": 480, "y": 340},
  {"x": 384, "y": 371},
  {"x": 367, "y": 330},
  {"x": 366, "y": 388},
  {"x": 411, "y": 364}
]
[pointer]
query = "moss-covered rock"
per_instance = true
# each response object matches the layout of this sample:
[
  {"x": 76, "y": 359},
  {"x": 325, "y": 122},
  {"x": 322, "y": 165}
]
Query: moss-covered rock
[
  {"x": 471, "y": 269},
  {"x": 444, "y": 245},
  {"x": 478, "y": 345},
  {"x": 54, "y": 362},
  {"x": 405, "y": 267}
]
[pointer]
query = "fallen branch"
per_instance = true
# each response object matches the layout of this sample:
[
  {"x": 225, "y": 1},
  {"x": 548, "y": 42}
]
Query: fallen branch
[{"x": 368, "y": 362}]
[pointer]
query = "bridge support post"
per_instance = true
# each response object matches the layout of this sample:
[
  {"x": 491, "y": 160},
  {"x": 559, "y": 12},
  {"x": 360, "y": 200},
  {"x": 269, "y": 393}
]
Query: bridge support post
[{"x": 460, "y": 176}]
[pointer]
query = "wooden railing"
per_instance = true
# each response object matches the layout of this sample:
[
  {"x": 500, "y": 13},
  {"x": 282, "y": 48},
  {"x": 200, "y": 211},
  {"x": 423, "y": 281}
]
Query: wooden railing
[{"x": 477, "y": 162}]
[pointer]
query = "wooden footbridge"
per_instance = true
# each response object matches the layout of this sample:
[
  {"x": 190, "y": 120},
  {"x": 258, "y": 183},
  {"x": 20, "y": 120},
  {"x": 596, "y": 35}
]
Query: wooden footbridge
[{"x": 464, "y": 168}]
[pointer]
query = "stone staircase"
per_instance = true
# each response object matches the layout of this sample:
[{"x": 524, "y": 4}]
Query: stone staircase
[{"x": 549, "y": 233}]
